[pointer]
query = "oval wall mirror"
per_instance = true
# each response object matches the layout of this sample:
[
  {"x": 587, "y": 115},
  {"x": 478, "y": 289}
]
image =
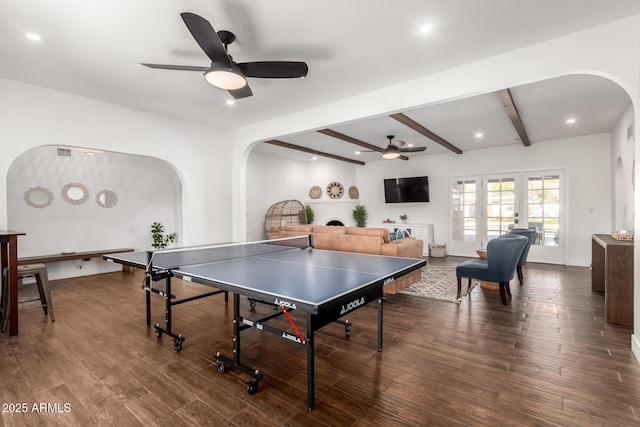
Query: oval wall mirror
[
  {"x": 75, "y": 193},
  {"x": 106, "y": 199},
  {"x": 38, "y": 197}
]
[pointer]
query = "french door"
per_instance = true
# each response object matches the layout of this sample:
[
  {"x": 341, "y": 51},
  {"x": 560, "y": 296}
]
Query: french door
[{"x": 484, "y": 207}]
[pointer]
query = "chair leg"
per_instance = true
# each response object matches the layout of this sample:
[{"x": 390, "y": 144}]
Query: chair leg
[
  {"x": 503, "y": 292},
  {"x": 459, "y": 287},
  {"x": 520, "y": 275},
  {"x": 469, "y": 285},
  {"x": 43, "y": 297}
]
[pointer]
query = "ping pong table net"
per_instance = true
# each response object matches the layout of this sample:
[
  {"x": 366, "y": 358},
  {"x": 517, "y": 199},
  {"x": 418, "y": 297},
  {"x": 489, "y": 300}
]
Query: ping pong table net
[{"x": 168, "y": 259}]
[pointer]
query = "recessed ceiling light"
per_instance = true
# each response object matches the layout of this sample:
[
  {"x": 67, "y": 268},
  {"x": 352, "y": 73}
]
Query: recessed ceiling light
[
  {"x": 426, "y": 28},
  {"x": 230, "y": 101},
  {"x": 357, "y": 153},
  {"x": 409, "y": 145},
  {"x": 33, "y": 37},
  {"x": 570, "y": 121},
  {"x": 314, "y": 158},
  {"x": 479, "y": 134}
]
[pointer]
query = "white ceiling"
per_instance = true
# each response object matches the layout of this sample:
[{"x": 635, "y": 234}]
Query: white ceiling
[{"x": 93, "y": 49}]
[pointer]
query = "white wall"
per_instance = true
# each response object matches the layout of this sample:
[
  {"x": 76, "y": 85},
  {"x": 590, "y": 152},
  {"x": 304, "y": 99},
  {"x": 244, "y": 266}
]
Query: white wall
[
  {"x": 272, "y": 179},
  {"x": 588, "y": 180},
  {"x": 32, "y": 116},
  {"x": 65, "y": 227},
  {"x": 622, "y": 166}
]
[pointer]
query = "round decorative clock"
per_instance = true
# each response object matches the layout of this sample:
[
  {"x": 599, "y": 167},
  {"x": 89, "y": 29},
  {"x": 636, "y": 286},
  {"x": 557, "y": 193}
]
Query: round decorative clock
[
  {"x": 315, "y": 192},
  {"x": 353, "y": 192},
  {"x": 335, "y": 190}
]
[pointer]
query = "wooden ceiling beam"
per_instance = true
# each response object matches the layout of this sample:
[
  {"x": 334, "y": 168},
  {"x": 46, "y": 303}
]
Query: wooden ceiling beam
[
  {"x": 514, "y": 115},
  {"x": 355, "y": 141},
  {"x": 311, "y": 151},
  {"x": 409, "y": 122}
]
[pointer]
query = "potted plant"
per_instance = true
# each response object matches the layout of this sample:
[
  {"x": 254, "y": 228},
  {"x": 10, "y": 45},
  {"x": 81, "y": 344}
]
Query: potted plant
[
  {"x": 160, "y": 240},
  {"x": 360, "y": 215},
  {"x": 310, "y": 214},
  {"x": 403, "y": 217}
]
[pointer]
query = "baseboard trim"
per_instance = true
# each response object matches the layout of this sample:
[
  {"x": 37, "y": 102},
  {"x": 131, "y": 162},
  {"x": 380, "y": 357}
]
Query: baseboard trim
[{"x": 635, "y": 346}]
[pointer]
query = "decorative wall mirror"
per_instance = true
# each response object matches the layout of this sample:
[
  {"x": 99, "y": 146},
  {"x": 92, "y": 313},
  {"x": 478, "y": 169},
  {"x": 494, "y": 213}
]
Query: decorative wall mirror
[
  {"x": 75, "y": 193},
  {"x": 38, "y": 197},
  {"x": 106, "y": 199}
]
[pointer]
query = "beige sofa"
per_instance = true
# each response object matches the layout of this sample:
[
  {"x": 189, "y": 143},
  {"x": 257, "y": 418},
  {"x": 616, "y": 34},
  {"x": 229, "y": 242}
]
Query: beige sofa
[{"x": 374, "y": 241}]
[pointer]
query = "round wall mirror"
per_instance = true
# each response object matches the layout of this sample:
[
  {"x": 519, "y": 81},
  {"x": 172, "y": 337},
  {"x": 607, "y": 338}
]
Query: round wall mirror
[
  {"x": 38, "y": 197},
  {"x": 106, "y": 199},
  {"x": 75, "y": 193}
]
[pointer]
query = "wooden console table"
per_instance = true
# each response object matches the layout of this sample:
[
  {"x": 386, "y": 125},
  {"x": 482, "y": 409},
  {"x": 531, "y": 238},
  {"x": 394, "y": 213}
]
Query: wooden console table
[
  {"x": 9, "y": 256},
  {"x": 612, "y": 273}
]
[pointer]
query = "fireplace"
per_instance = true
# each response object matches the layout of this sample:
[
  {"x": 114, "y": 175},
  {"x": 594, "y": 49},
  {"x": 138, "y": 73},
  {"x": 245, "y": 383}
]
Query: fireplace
[{"x": 335, "y": 222}]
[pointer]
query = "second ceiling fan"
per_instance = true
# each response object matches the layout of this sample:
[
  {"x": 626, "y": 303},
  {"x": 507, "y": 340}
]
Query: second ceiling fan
[
  {"x": 223, "y": 72},
  {"x": 396, "y": 147}
]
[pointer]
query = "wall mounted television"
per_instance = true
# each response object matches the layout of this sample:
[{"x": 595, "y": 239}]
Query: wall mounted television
[{"x": 406, "y": 190}]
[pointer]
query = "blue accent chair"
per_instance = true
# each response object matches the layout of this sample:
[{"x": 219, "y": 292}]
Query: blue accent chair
[
  {"x": 529, "y": 233},
  {"x": 500, "y": 266}
]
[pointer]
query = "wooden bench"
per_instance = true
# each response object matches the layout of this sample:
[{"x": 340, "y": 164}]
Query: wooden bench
[{"x": 43, "y": 259}]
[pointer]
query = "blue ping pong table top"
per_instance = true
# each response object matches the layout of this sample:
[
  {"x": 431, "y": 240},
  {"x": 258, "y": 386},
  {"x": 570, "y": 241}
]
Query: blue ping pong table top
[{"x": 309, "y": 276}]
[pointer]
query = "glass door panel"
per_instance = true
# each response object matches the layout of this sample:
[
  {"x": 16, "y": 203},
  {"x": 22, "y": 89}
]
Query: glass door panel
[
  {"x": 501, "y": 205},
  {"x": 464, "y": 237}
]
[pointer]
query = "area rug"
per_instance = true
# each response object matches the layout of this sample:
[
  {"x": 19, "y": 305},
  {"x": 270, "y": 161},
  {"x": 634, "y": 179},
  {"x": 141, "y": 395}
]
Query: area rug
[{"x": 439, "y": 282}]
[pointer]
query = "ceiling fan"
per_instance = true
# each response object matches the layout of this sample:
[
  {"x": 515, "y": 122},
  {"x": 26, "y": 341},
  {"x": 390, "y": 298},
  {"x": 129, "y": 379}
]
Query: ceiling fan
[
  {"x": 223, "y": 72},
  {"x": 396, "y": 147}
]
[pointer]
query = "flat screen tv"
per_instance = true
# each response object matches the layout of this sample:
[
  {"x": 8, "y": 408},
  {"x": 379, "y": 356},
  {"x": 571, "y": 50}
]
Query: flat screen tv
[{"x": 406, "y": 190}]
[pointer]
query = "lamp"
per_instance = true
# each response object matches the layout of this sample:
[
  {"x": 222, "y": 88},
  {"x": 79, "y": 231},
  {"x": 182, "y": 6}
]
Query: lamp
[
  {"x": 391, "y": 155},
  {"x": 223, "y": 77},
  {"x": 391, "y": 152}
]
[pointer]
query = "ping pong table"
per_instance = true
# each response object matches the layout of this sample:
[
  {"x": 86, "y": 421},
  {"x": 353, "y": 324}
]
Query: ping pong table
[{"x": 288, "y": 274}]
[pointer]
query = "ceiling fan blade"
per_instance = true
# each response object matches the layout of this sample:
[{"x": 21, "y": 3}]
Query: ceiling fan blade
[
  {"x": 274, "y": 69},
  {"x": 243, "y": 92},
  {"x": 176, "y": 67},
  {"x": 206, "y": 37},
  {"x": 398, "y": 143},
  {"x": 412, "y": 149}
]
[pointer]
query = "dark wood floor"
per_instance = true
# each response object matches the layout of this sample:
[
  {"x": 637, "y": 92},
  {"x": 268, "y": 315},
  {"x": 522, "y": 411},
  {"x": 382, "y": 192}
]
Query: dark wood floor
[{"x": 548, "y": 358}]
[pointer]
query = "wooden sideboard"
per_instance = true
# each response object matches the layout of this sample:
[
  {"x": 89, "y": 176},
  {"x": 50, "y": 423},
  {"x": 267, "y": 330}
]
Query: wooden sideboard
[{"x": 612, "y": 273}]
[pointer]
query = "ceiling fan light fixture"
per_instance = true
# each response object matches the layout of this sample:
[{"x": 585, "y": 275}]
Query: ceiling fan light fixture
[
  {"x": 225, "y": 78},
  {"x": 390, "y": 155}
]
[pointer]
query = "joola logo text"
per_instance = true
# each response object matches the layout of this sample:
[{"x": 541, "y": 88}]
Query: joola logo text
[
  {"x": 285, "y": 304},
  {"x": 352, "y": 305},
  {"x": 389, "y": 280},
  {"x": 291, "y": 337}
]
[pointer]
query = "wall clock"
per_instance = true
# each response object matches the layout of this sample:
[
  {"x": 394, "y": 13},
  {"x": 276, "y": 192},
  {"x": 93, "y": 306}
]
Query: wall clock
[
  {"x": 315, "y": 192},
  {"x": 353, "y": 192},
  {"x": 335, "y": 190}
]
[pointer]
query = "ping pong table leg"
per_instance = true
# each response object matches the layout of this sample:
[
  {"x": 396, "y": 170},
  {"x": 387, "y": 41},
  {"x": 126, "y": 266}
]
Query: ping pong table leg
[
  {"x": 380, "y": 323},
  {"x": 148, "y": 298},
  {"x": 310, "y": 364}
]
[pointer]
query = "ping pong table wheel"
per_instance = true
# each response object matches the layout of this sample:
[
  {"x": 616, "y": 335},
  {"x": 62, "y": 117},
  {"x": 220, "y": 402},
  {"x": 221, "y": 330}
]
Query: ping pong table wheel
[
  {"x": 177, "y": 344},
  {"x": 253, "y": 386},
  {"x": 252, "y": 303},
  {"x": 221, "y": 367},
  {"x": 158, "y": 332},
  {"x": 347, "y": 329}
]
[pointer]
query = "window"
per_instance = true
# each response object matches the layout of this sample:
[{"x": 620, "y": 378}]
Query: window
[{"x": 463, "y": 210}]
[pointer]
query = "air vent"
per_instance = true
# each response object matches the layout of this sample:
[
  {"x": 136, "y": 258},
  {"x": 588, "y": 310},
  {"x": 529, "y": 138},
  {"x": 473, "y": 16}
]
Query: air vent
[{"x": 64, "y": 152}]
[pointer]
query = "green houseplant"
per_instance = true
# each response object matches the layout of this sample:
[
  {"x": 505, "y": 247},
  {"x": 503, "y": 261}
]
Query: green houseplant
[
  {"x": 310, "y": 214},
  {"x": 160, "y": 240},
  {"x": 360, "y": 215},
  {"x": 403, "y": 217}
]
